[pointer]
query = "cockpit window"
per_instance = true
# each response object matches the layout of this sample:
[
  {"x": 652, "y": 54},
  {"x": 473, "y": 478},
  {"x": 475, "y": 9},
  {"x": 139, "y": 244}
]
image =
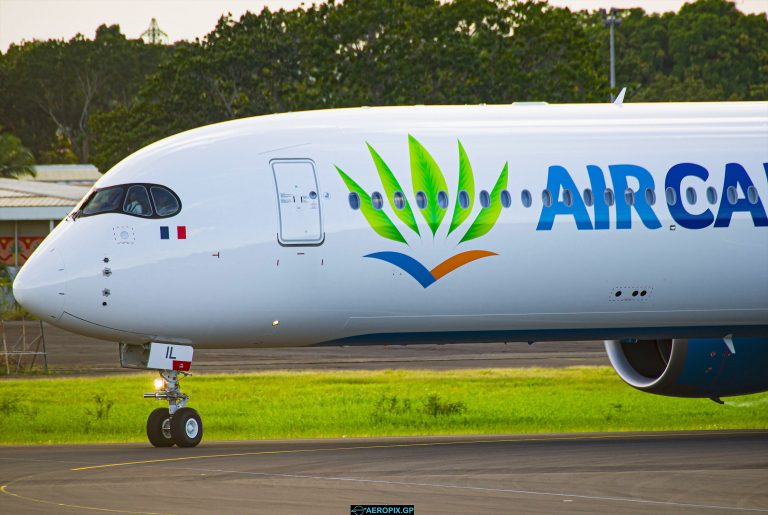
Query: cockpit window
[
  {"x": 165, "y": 203},
  {"x": 104, "y": 201},
  {"x": 137, "y": 202},
  {"x": 144, "y": 200}
]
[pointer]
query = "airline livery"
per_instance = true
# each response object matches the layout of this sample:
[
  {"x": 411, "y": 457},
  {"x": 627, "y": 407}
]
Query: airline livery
[{"x": 643, "y": 225}]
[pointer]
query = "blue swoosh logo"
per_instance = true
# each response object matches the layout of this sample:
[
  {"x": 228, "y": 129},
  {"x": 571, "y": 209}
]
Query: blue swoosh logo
[{"x": 407, "y": 264}]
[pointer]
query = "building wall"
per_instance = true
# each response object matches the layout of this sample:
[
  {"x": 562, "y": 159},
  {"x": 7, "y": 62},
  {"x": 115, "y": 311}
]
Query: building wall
[{"x": 30, "y": 233}]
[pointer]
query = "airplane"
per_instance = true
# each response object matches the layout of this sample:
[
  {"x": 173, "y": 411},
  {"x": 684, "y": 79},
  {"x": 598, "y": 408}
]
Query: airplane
[{"x": 643, "y": 225}]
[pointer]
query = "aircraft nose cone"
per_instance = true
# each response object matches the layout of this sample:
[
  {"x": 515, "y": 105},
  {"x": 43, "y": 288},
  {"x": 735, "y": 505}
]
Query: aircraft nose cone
[{"x": 40, "y": 285}]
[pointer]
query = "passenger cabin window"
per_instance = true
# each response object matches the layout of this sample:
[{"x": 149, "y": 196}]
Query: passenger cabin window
[
  {"x": 525, "y": 198},
  {"x": 144, "y": 200},
  {"x": 506, "y": 198},
  {"x": 546, "y": 198},
  {"x": 442, "y": 199},
  {"x": 354, "y": 201},
  {"x": 712, "y": 195},
  {"x": 650, "y": 196},
  {"x": 377, "y": 201},
  {"x": 137, "y": 202},
  {"x": 629, "y": 197},
  {"x": 608, "y": 196},
  {"x": 671, "y": 196},
  {"x": 464, "y": 199},
  {"x": 421, "y": 200},
  {"x": 690, "y": 195},
  {"x": 399, "y": 199},
  {"x": 589, "y": 199},
  {"x": 752, "y": 195},
  {"x": 485, "y": 199},
  {"x": 567, "y": 197}
]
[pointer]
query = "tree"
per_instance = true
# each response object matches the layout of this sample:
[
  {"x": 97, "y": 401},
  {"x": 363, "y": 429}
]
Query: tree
[
  {"x": 713, "y": 43},
  {"x": 54, "y": 87},
  {"x": 240, "y": 69},
  {"x": 370, "y": 52},
  {"x": 709, "y": 50},
  {"x": 15, "y": 159}
]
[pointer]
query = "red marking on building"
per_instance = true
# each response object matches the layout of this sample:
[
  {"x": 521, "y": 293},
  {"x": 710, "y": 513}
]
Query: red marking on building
[{"x": 27, "y": 245}]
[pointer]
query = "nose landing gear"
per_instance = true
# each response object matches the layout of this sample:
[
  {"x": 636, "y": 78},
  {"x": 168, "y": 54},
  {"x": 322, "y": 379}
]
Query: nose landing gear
[{"x": 178, "y": 424}]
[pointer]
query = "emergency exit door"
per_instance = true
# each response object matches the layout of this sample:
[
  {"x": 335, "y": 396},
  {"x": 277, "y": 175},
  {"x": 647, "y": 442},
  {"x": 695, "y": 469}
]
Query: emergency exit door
[{"x": 298, "y": 201}]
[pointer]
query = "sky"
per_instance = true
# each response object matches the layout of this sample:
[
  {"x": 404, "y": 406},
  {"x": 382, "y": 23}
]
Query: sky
[{"x": 190, "y": 19}]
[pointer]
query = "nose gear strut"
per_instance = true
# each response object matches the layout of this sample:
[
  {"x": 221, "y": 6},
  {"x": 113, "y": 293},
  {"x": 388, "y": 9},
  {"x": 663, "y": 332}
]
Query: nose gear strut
[{"x": 170, "y": 390}]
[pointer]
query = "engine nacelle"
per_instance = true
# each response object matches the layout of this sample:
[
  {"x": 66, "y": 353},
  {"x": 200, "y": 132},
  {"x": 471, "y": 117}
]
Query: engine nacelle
[{"x": 692, "y": 368}]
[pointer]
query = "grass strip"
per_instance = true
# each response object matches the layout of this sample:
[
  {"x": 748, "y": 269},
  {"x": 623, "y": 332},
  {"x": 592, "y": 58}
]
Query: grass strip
[{"x": 362, "y": 403}]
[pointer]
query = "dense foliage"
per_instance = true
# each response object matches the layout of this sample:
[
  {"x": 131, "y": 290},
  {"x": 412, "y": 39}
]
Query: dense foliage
[
  {"x": 100, "y": 100},
  {"x": 15, "y": 160}
]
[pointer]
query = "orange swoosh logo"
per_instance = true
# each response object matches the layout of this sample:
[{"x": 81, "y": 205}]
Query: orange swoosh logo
[{"x": 459, "y": 260}]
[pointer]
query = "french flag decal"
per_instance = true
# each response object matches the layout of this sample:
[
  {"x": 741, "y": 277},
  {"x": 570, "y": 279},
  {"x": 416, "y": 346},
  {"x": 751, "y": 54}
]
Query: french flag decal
[{"x": 181, "y": 232}]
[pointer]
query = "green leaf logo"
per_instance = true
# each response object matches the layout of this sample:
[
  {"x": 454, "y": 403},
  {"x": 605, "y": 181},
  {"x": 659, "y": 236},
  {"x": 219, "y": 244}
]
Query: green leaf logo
[
  {"x": 377, "y": 219},
  {"x": 466, "y": 183},
  {"x": 431, "y": 192},
  {"x": 392, "y": 187},
  {"x": 488, "y": 216},
  {"x": 428, "y": 180}
]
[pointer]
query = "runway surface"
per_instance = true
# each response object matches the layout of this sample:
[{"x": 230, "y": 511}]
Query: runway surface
[{"x": 680, "y": 473}]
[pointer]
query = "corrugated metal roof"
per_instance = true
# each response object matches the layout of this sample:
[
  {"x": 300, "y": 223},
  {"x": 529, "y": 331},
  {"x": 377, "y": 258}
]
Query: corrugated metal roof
[
  {"x": 44, "y": 189},
  {"x": 9, "y": 193},
  {"x": 35, "y": 202},
  {"x": 66, "y": 173},
  {"x": 24, "y": 194}
]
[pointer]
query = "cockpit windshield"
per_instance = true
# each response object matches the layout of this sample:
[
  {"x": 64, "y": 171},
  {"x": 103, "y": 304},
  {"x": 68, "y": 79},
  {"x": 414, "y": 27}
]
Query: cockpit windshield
[
  {"x": 137, "y": 201},
  {"x": 103, "y": 201},
  {"x": 143, "y": 200},
  {"x": 165, "y": 202}
]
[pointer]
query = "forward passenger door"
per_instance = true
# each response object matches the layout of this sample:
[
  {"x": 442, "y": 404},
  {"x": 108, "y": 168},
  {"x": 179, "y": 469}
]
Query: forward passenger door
[{"x": 298, "y": 201}]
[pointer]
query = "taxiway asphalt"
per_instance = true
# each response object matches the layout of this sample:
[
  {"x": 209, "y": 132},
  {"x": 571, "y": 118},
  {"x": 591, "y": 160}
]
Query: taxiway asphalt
[{"x": 680, "y": 473}]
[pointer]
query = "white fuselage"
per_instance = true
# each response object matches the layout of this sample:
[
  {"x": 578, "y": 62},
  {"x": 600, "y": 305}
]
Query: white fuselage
[{"x": 240, "y": 278}]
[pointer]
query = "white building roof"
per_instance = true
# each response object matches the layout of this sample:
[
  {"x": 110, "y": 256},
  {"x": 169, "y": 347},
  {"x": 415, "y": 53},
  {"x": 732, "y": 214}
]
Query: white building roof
[
  {"x": 82, "y": 174},
  {"x": 32, "y": 200}
]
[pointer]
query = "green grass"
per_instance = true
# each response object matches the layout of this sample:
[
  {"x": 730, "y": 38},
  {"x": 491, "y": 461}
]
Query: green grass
[
  {"x": 360, "y": 403},
  {"x": 16, "y": 312}
]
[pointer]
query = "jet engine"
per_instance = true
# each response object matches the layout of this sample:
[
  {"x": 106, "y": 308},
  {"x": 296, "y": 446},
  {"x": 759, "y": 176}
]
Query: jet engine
[{"x": 711, "y": 367}]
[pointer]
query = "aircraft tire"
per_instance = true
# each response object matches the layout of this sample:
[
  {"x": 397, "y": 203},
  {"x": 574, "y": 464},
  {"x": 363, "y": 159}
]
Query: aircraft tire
[
  {"x": 158, "y": 436},
  {"x": 186, "y": 428}
]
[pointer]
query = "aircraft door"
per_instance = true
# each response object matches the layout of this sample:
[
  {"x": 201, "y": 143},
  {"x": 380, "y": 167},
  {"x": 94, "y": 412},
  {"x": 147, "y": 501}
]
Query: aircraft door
[{"x": 298, "y": 200}]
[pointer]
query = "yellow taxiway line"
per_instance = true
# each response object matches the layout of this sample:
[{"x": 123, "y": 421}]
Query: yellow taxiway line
[{"x": 417, "y": 444}]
